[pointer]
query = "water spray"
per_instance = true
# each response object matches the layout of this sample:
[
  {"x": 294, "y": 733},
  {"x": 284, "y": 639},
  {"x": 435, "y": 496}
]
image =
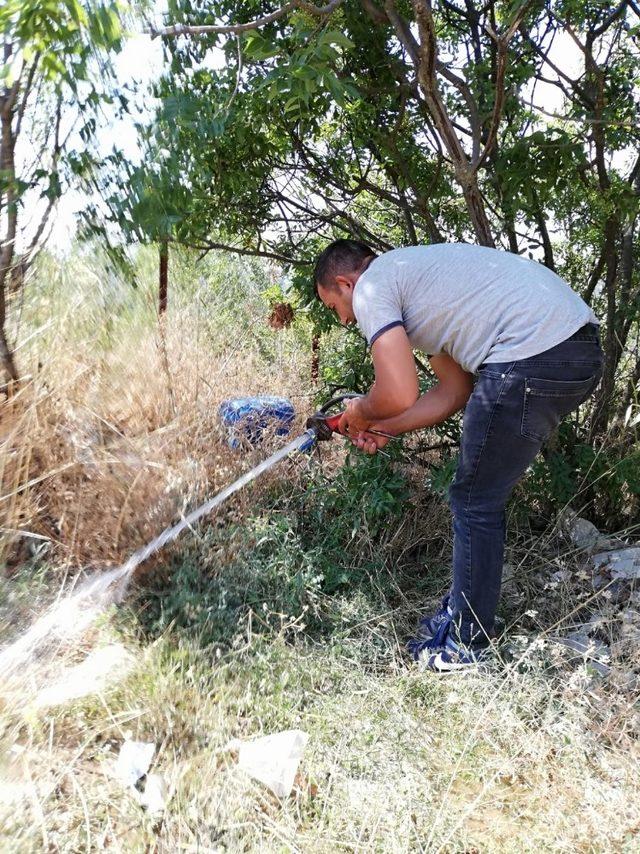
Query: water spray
[{"x": 71, "y": 615}]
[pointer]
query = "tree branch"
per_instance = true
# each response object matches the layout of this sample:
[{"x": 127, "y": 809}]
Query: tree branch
[
  {"x": 503, "y": 42},
  {"x": 474, "y": 118},
  {"x": 25, "y": 94},
  {"x": 594, "y": 278},
  {"x": 32, "y": 248},
  {"x": 598, "y": 31},
  {"x": 186, "y": 29},
  {"x": 376, "y": 15},
  {"x": 403, "y": 31},
  {"x": 210, "y": 245}
]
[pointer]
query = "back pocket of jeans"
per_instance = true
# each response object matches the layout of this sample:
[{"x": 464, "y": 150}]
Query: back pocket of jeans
[{"x": 546, "y": 402}]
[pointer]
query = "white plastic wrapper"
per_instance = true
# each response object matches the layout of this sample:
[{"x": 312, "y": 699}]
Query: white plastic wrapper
[
  {"x": 154, "y": 797},
  {"x": 134, "y": 760},
  {"x": 274, "y": 759}
]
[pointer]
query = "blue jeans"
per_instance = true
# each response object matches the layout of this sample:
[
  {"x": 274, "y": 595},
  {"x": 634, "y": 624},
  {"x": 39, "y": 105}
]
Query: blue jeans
[{"x": 514, "y": 408}]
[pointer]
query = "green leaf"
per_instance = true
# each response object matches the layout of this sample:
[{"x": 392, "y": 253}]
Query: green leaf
[{"x": 257, "y": 47}]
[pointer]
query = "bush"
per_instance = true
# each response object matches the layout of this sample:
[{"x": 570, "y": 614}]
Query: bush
[
  {"x": 601, "y": 482},
  {"x": 284, "y": 561}
]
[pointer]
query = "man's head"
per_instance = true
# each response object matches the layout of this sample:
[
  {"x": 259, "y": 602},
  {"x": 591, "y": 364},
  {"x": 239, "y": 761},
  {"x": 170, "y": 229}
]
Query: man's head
[{"x": 337, "y": 270}]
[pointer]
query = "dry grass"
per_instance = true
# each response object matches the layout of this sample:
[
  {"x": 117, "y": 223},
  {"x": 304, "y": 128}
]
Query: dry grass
[
  {"x": 111, "y": 442},
  {"x": 396, "y": 762},
  {"x": 106, "y": 445}
]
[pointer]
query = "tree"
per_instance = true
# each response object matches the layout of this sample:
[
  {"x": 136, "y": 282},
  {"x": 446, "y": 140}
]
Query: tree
[
  {"x": 404, "y": 122},
  {"x": 55, "y": 76}
]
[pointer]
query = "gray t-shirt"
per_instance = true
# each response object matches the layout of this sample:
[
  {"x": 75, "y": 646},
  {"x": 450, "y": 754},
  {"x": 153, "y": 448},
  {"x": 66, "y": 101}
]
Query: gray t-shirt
[{"x": 474, "y": 303}]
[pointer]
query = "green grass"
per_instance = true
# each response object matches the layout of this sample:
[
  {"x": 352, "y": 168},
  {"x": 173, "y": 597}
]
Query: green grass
[
  {"x": 396, "y": 761},
  {"x": 239, "y": 638}
]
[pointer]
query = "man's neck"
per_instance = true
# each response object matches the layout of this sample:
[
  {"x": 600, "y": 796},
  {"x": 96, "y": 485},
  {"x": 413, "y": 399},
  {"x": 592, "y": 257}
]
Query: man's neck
[{"x": 365, "y": 265}]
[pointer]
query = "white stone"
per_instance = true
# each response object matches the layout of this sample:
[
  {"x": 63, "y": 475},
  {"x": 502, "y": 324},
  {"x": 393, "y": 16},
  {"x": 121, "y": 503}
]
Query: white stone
[{"x": 620, "y": 564}]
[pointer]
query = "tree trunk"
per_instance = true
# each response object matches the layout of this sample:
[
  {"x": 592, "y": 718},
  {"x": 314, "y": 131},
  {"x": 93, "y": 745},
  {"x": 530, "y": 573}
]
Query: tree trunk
[
  {"x": 611, "y": 345},
  {"x": 164, "y": 277},
  {"x": 6, "y": 354},
  {"x": 477, "y": 212},
  {"x": 7, "y": 248},
  {"x": 465, "y": 173},
  {"x": 315, "y": 359}
]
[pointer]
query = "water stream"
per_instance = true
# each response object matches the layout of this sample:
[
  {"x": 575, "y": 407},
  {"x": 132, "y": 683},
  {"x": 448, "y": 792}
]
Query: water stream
[{"x": 72, "y": 614}]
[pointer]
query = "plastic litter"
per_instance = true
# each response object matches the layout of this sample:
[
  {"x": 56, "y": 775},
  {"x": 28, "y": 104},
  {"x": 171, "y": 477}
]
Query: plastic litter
[
  {"x": 154, "y": 796},
  {"x": 274, "y": 759},
  {"x": 133, "y": 761},
  {"x": 250, "y": 417},
  {"x": 131, "y": 767}
]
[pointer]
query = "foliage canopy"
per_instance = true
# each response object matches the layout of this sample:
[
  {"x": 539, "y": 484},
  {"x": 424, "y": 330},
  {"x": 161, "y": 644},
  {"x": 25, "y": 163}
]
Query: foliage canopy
[
  {"x": 509, "y": 124},
  {"x": 55, "y": 76}
]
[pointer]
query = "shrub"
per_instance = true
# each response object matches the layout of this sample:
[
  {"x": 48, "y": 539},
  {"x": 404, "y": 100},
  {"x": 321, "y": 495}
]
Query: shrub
[{"x": 284, "y": 560}]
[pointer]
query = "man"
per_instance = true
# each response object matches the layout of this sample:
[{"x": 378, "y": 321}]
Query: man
[{"x": 532, "y": 345}]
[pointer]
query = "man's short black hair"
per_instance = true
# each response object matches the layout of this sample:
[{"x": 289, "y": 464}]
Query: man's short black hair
[{"x": 340, "y": 257}]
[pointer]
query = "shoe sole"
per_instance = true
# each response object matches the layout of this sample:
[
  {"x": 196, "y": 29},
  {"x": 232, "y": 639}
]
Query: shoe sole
[{"x": 430, "y": 665}]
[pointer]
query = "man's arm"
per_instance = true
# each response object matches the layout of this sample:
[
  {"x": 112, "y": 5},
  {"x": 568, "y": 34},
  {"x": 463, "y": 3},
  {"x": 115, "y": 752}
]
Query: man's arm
[
  {"x": 396, "y": 384},
  {"x": 448, "y": 396}
]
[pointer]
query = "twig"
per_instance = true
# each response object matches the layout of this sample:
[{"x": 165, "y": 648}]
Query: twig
[{"x": 186, "y": 29}]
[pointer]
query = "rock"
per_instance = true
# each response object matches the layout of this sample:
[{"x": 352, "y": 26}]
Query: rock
[
  {"x": 623, "y": 564},
  {"x": 593, "y": 652},
  {"x": 508, "y": 575},
  {"x": 582, "y": 533},
  {"x": 625, "y": 680},
  {"x": 560, "y": 576},
  {"x": 511, "y": 593},
  {"x": 595, "y": 622},
  {"x": 628, "y": 645},
  {"x": 585, "y": 645},
  {"x": 630, "y": 620}
]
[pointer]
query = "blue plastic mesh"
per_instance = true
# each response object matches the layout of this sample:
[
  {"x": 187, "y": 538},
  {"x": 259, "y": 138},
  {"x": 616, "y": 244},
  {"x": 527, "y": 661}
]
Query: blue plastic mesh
[{"x": 251, "y": 417}]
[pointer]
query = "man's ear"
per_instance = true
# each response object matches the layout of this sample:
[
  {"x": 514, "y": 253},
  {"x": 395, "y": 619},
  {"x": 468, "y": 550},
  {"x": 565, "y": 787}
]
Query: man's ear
[{"x": 345, "y": 281}]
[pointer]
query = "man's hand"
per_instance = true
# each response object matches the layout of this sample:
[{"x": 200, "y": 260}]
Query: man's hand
[
  {"x": 370, "y": 443},
  {"x": 355, "y": 426},
  {"x": 352, "y": 422}
]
